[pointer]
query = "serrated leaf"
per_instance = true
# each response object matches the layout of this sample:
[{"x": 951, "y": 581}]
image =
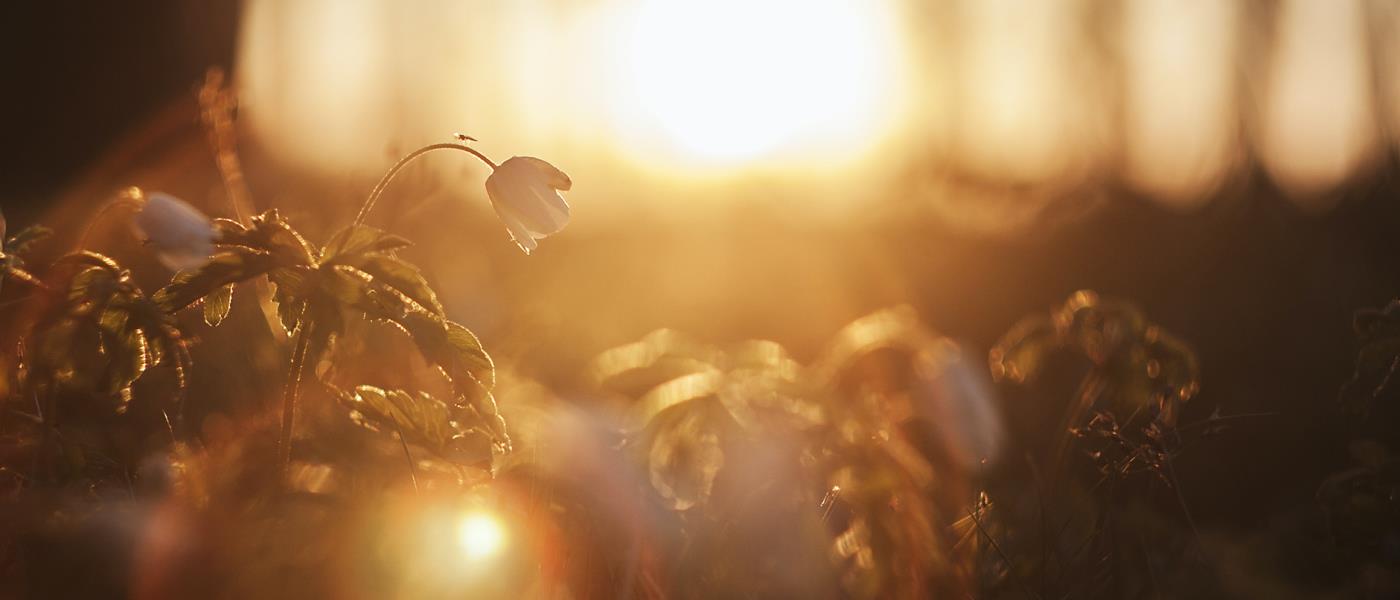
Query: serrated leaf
[
  {"x": 24, "y": 276},
  {"x": 460, "y": 357},
  {"x": 360, "y": 239},
  {"x": 91, "y": 283},
  {"x": 155, "y": 352},
  {"x": 290, "y": 281},
  {"x": 113, "y": 320},
  {"x": 217, "y": 305},
  {"x": 55, "y": 347},
  {"x": 20, "y": 242},
  {"x": 469, "y": 355},
  {"x": 282, "y": 240},
  {"x": 87, "y": 258},
  {"x": 269, "y": 233},
  {"x": 403, "y": 278},
  {"x": 228, "y": 231},
  {"x": 346, "y": 285},
  {"x": 230, "y": 266},
  {"x": 323, "y": 328},
  {"x": 126, "y": 358},
  {"x": 452, "y": 347},
  {"x": 420, "y": 418},
  {"x": 289, "y": 312}
]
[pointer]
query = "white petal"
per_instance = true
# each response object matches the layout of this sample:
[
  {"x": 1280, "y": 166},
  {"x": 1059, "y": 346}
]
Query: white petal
[
  {"x": 518, "y": 233},
  {"x": 552, "y": 175},
  {"x": 547, "y": 211},
  {"x": 179, "y": 261},
  {"x": 518, "y": 188},
  {"x": 179, "y": 233}
]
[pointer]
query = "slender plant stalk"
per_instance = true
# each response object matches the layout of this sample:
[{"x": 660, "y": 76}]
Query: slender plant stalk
[
  {"x": 293, "y": 383},
  {"x": 360, "y": 217},
  {"x": 1090, "y": 389},
  {"x": 216, "y": 110},
  {"x": 1010, "y": 566},
  {"x": 128, "y": 198},
  {"x": 216, "y": 104},
  {"x": 412, "y": 469},
  {"x": 290, "y": 392},
  {"x": 403, "y": 162}
]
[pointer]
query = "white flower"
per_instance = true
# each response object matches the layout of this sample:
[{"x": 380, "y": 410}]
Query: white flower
[
  {"x": 525, "y": 193},
  {"x": 183, "y": 238}
]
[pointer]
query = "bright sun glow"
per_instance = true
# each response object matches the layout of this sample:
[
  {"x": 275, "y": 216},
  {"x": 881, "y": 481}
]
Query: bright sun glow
[
  {"x": 480, "y": 535},
  {"x": 732, "y": 80}
]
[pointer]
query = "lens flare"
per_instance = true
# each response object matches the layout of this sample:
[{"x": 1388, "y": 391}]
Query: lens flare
[
  {"x": 733, "y": 80},
  {"x": 480, "y": 535}
]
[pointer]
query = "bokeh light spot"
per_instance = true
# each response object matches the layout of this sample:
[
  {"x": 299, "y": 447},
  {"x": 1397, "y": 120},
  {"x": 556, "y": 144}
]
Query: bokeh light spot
[{"x": 480, "y": 535}]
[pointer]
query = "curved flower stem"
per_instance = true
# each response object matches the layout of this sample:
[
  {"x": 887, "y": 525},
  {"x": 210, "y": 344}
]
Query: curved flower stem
[
  {"x": 216, "y": 104},
  {"x": 128, "y": 198},
  {"x": 403, "y": 162},
  {"x": 289, "y": 397}
]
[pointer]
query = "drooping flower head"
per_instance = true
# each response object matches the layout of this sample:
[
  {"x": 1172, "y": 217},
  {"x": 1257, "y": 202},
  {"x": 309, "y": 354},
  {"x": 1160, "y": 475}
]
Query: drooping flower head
[
  {"x": 181, "y": 235},
  {"x": 525, "y": 193}
]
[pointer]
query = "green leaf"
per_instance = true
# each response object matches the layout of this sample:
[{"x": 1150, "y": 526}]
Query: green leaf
[
  {"x": 269, "y": 233},
  {"x": 91, "y": 283},
  {"x": 155, "y": 352},
  {"x": 20, "y": 242},
  {"x": 88, "y": 258},
  {"x": 459, "y": 355},
  {"x": 323, "y": 325},
  {"x": 282, "y": 239},
  {"x": 24, "y": 276},
  {"x": 420, "y": 418},
  {"x": 113, "y": 320},
  {"x": 229, "y": 231},
  {"x": 231, "y": 266},
  {"x": 55, "y": 349},
  {"x": 469, "y": 355},
  {"x": 290, "y": 287},
  {"x": 217, "y": 305},
  {"x": 360, "y": 239},
  {"x": 346, "y": 285},
  {"x": 126, "y": 359},
  {"x": 452, "y": 347},
  {"x": 403, "y": 278}
]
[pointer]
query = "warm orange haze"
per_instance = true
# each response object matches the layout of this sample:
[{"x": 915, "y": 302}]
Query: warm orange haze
[{"x": 726, "y": 299}]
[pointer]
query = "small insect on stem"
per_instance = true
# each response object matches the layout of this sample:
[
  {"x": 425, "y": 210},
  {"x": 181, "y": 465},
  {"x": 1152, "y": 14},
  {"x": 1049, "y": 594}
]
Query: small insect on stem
[{"x": 829, "y": 501}]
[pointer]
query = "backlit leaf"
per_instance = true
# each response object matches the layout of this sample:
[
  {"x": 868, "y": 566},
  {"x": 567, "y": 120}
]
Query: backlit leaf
[
  {"x": 402, "y": 277},
  {"x": 420, "y": 418},
  {"x": 217, "y": 305},
  {"x": 20, "y": 242},
  {"x": 360, "y": 239},
  {"x": 230, "y": 266}
]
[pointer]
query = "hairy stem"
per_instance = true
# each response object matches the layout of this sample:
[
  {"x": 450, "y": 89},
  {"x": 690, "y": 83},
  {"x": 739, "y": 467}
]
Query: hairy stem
[
  {"x": 130, "y": 198},
  {"x": 403, "y": 162},
  {"x": 290, "y": 391},
  {"x": 216, "y": 105}
]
